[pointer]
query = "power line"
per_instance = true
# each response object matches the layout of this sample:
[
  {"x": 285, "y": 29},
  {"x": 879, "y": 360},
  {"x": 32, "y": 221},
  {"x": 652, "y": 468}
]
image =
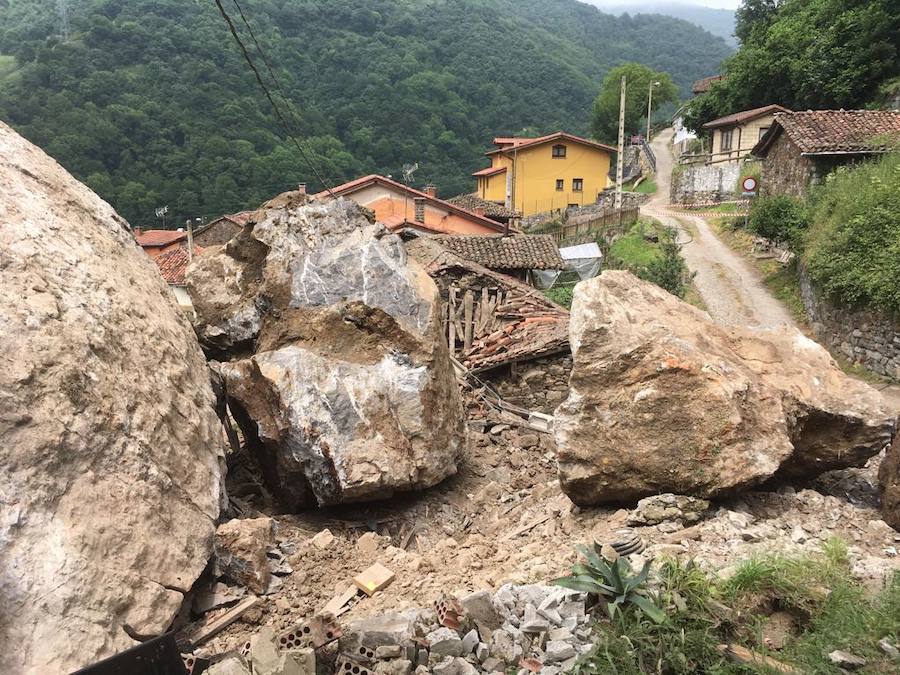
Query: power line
[{"x": 268, "y": 95}]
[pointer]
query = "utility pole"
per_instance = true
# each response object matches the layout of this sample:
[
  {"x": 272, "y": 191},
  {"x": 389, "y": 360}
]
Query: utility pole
[
  {"x": 650, "y": 106},
  {"x": 190, "y": 241},
  {"x": 620, "y": 160}
]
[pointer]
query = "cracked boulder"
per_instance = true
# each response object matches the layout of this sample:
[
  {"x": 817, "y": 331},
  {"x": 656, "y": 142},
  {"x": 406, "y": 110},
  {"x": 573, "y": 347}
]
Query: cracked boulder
[
  {"x": 889, "y": 481},
  {"x": 110, "y": 479},
  {"x": 330, "y": 347},
  {"x": 662, "y": 399}
]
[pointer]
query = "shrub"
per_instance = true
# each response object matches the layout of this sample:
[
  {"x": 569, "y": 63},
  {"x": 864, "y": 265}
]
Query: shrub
[
  {"x": 561, "y": 295},
  {"x": 781, "y": 219},
  {"x": 852, "y": 249},
  {"x": 668, "y": 270}
]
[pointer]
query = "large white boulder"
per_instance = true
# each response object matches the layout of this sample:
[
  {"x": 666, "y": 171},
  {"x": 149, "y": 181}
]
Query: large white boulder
[
  {"x": 333, "y": 359},
  {"x": 110, "y": 471}
]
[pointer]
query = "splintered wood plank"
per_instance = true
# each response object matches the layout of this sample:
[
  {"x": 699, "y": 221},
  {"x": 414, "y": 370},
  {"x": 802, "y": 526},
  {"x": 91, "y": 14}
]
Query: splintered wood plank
[
  {"x": 337, "y": 604},
  {"x": 195, "y": 635},
  {"x": 468, "y": 301},
  {"x": 744, "y": 656},
  {"x": 373, "y": 579}
]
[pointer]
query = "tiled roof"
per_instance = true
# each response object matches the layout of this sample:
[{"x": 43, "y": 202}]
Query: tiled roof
[
  {"x": 158, "y": 238},
  {"x": 558, "y": 136},
  {"x": 701, "y": 86},
  {"x": 835, "y": 131},
  {"x": 173, "y": 264},
  {"x": 472, "y": 201},
  {"x": 527, "y": 251},
  {"x": 532, "y": 325},
  {"x": 490, "y": 171},
  {"x": 745, "y": 116},
  {"x": 365, "y": 181}
]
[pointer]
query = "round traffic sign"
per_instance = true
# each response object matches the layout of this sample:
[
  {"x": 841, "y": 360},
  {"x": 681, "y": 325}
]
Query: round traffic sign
[{"x": 749, "y": 184}]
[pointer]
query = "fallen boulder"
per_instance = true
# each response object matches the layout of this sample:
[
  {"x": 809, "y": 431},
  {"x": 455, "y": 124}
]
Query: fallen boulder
[
  {"x": 665, "y": 400},
  {"x": 241, "y": 547},
  {"x": 110, "y": 479},
  {"x": 333, "y": 359},
  {"x": 889, "y": 481}
]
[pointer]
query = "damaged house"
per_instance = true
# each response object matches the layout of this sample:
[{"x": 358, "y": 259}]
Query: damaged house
[{"x": 501, "y": 329}]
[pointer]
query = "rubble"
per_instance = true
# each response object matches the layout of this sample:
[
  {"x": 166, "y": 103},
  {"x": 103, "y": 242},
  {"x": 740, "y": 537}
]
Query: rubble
[
  {"x": 332, "y": 354},
  {"x": 667, "y": 507},
  {"x": 663, "y": 399},
  {"x": 111, "y": 481},
  {"x": 241, "y": 547},
  {"x": 889, "y": 484}
]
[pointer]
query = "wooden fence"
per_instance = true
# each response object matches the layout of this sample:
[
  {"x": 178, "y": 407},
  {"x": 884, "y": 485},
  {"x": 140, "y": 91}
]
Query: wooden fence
[{"x": 603, "y": 223}]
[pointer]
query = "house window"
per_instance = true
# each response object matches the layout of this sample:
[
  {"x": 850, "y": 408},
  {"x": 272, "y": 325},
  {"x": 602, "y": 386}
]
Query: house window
[
  {"x": 726, "y": 140},
  {"x": 559, "y": 151},
  {"x": 577, "y": 184},
  {"x": 762, "y": 132},
  {"x": 560, "y": 185}
]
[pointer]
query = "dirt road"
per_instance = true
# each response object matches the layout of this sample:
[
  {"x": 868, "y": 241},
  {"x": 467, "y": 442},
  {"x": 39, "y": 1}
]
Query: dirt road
[{"x": 730, "y": 287}]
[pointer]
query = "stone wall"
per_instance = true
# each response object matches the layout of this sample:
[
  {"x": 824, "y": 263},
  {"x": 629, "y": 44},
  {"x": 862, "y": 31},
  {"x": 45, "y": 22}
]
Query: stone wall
[
  {"x": 867, "y": 338},
  {"x": 539, "y": 385},
  {"x": 785, "y": 170},
  {"x": 704, "y": 183}
]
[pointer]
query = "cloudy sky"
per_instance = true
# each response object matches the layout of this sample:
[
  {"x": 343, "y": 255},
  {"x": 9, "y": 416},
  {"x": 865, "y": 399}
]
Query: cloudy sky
[{"x": 721, "y": 4}]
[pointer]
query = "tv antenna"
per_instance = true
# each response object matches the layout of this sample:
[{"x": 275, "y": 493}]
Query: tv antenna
[
  {"x": 408, "y": 171},
  {"x": 161, "y": 213}
]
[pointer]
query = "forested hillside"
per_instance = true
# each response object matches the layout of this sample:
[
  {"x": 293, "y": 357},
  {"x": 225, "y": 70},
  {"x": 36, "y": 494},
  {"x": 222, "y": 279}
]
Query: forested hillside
[{"x": 150, "y": 102}]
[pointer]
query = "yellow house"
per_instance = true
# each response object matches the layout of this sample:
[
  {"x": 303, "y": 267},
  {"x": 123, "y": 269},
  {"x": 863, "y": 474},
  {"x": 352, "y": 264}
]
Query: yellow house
[{"x": 536, "y": 175}]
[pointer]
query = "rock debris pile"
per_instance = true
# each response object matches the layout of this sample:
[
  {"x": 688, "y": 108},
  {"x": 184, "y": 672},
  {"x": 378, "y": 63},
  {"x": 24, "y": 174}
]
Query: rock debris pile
[{"x": 333, "y": 359}]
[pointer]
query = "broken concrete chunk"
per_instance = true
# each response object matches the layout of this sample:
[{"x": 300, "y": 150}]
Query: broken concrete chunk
[
  {"x": 384, "y": 629},
  {"x": 558, "y": 650},
  {"x": 444, "y": 642},
  {"x": 731, "y": 407},
  {"x": 532, "y": 622},
  {"x": 396, "y": 667},
  {"x": 110, "y": 482},
  {"x": 241, "y": 546},
  {"x": 454, "y": 666},
  {"x": 480, "y": 608},
  {"x": 323, "y": 539},
  {"x": 334, "y": 360}
]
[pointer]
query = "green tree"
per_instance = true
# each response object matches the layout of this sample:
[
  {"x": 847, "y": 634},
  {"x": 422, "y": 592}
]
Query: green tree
[
  {"x": 806, "y": 54},
  {"x": 639, "y": 78},
  {"x": 753, "y": 17}
]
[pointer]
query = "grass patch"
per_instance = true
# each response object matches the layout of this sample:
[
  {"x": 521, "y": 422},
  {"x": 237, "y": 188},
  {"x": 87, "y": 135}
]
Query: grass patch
[
  {"x": 815, "y": 597},
  {"x": 645, "y": 187},
  {"x": 634, "y": 250}
]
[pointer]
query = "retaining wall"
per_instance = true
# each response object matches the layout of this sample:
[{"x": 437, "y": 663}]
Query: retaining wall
[
  {"x": 704, "y": 183},
  {"x": 868, "y": 338}
]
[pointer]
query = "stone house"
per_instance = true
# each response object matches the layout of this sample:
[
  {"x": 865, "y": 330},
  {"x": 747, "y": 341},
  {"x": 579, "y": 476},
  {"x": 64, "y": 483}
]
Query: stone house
[
  {"x": 221, "y": 230},
  {"x": 801, "y": 148},
  {"x": 735, "y": 135},
  {"x": 506, "y": 333}
]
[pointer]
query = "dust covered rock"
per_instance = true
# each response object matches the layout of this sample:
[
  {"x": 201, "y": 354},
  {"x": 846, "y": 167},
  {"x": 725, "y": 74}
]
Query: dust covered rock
[
  {"x": 241, "y": 546},
  {"x": 110, "y": 482},
  {"x": 334, "y": 364},
  {"x": 665, "y": 400},
  {"x": 889, "y": 482}
]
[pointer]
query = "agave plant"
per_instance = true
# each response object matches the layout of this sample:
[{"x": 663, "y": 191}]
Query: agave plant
[{"x": 613, "y": 581}]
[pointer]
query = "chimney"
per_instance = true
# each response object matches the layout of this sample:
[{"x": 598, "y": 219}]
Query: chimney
[
  {"x": 479, "y": 211},
  {"x": 138, "y": 231},
  {"x": 420, "y": 209},
  {"x": 431, "y": 190},
  {"x": 301, "y": 188}
]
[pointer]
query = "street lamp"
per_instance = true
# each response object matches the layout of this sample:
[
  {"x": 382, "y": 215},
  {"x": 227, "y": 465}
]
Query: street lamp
[{"x": 650, "y": 105}]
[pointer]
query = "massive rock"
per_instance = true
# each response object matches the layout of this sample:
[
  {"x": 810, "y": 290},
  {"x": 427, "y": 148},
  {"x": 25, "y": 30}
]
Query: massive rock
[
  {"x": 110, "y": 477},
  {"x": 664, "y": 400},
  {"x": 334, "y": 364},
  {"x": 889, "y": 480}
]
